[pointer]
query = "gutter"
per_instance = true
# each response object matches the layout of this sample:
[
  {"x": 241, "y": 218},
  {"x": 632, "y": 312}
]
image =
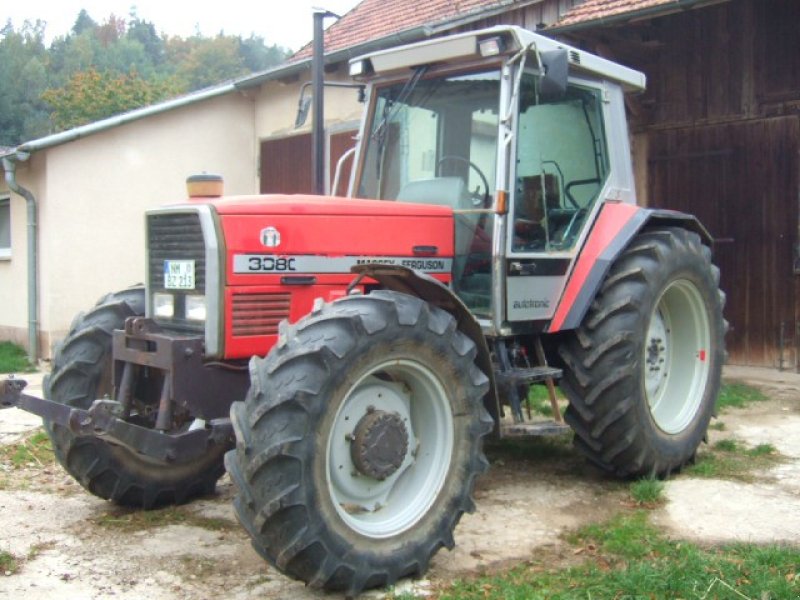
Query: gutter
[
  {"x": 653, "y": 11},
  {"x": 10, "y": 168},
  {"x": 77, "y": 133}
]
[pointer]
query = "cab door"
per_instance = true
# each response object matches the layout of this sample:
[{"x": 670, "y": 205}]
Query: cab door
[{"x": 561, "y": 170}]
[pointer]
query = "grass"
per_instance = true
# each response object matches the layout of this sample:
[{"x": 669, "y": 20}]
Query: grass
[
  {"x": 14, "y": 359},
  {"x": 738, "y": 395},
  {"x": 730, "y": 459},
  {"x": 8, "y": 563},
  {"x": 537, "y": 448},
  {"x": 627, "y": 558},
  {"x": 33, "y": 450},
  {"x": 647, "y": 492},
  {"x": 138, "y": 520},
  {"x": 538, "y": 400}
]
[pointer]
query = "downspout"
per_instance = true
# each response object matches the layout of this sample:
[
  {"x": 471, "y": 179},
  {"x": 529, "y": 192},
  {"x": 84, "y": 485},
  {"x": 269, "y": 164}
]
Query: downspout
[{"x": 10, "y": 168}]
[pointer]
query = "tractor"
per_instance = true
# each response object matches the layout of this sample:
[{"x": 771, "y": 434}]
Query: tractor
[{"x": 344, "y": 358}]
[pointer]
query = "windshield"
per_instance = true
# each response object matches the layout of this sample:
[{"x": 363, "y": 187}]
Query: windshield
[{"x": 433, "y": 140}]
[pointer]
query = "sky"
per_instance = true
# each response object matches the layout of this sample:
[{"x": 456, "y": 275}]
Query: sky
[{"x": 287, "y": 23}]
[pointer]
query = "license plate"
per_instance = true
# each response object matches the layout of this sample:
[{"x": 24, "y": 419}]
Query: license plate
[{"x": 179, "y": 274}]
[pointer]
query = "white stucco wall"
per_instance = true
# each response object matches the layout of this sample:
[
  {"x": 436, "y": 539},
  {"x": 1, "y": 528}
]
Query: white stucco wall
[
  {"x": 276, "y": 106},
  {"x": 92, "y": 194}
]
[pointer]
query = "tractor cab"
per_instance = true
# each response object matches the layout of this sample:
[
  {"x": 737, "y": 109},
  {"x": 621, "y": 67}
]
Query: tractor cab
[{"x": 511, "y": 130}]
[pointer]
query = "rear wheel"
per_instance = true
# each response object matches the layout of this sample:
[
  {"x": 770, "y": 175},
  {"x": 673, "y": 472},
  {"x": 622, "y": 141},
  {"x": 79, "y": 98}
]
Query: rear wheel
[
  {"x": 359, "y": 442},
  {"x": 643, "y": 370},
  {"x": 82, "y": 372}
]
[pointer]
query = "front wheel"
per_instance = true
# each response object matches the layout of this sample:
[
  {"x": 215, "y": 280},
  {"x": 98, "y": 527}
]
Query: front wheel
[
  {"x": 359, "y": 442},
  {"x": 642, "y": 372},
  {"x": 82, "y": 372}
]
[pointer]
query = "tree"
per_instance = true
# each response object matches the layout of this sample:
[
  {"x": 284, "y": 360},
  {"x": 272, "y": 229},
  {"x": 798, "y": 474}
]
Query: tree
[
  {"x": 83, "y": 23},
  {"x": 23, "y": 77},
  {"x": 101, "y": 69},
  {"x": 91, "y": 96},
  {"x": 258, "y": 56},
  {"x": 210, "y": 61}
]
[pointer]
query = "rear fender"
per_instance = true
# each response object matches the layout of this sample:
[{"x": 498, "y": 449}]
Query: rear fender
[
  {"x": 614, "y": 229},
  {"x": 425, "y": 287}
]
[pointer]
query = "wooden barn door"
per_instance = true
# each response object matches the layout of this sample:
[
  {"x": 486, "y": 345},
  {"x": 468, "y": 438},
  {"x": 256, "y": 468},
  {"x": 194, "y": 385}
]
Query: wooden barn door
[
  {"x": 741, "y": 180},
  {"x": 286, "y": 163}
]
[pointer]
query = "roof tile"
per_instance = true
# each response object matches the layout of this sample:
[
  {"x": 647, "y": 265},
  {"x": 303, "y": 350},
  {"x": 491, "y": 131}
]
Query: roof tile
[
  {"x": 374, "y": 19},
  {"x": 593, "y": 10}
]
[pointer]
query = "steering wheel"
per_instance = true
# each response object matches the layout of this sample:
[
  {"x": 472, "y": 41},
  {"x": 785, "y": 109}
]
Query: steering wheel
[{"x": 478, "y": 200}]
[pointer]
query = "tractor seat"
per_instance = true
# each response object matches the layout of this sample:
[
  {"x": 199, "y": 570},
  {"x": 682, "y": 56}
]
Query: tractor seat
[{"x": 444, "y": 191}]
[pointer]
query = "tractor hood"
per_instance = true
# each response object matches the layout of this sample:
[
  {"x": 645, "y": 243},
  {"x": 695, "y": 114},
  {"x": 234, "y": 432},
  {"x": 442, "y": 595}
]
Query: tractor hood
[{"x": 325, "y": 237}]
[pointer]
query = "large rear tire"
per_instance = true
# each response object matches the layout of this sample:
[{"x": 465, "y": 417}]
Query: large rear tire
[
  {"x": 642, "y": 372},
  {"x": 82, "y": 373},
  {"x": 359, "y": 442}
]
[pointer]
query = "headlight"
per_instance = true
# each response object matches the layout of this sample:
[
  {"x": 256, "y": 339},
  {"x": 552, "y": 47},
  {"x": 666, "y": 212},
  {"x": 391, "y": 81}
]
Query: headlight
[
  {"x": 164, "y": 305},
  {"x": 196, "y": 308}
]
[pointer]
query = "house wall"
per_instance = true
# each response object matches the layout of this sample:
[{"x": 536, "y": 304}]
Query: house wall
[
  {"x": 92, "y": 194},
  {"x": 14, "y": 271}
]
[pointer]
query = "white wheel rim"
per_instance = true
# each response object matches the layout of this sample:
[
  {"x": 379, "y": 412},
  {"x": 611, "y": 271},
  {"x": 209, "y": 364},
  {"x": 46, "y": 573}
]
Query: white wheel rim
[
  {"x": 677, "y": 355},
  {"x": 381, "y": 509}
]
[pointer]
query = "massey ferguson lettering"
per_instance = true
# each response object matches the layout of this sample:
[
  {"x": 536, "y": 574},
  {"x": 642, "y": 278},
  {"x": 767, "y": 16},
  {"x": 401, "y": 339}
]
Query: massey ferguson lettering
[{"x": 269, "y": 263}]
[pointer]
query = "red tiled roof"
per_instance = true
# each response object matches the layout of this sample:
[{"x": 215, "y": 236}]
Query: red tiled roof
[
  {"x": 593, "y": 10},
  {"x": 374, "y": 19}
]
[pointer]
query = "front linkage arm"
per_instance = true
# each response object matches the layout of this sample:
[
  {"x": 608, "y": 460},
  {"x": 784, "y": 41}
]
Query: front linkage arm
[{"x": 102, "y": 420}]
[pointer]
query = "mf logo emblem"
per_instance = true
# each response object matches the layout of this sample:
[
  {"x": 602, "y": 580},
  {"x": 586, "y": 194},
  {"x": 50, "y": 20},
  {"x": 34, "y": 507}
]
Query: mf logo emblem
[{"x": 270, "y": 237}]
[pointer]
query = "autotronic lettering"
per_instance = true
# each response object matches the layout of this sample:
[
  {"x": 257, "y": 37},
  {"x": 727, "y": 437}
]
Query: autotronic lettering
[
  {"x": 270, "y": 263},
  {"x": 531, "y": 303}
]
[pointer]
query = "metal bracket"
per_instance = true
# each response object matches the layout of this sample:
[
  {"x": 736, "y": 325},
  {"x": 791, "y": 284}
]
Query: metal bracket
[{"x": 102, "y": 421}]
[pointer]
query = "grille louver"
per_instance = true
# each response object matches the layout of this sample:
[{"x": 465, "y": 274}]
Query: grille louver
[{"x": 259, "y": 314}]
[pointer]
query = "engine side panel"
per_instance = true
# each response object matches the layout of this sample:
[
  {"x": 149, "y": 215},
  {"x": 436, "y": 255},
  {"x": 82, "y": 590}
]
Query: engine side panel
[{"x": 278, "y": 265}]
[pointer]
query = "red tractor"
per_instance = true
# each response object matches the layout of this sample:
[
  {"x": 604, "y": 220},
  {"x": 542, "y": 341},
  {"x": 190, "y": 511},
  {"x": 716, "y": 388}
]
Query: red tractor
[{"x": 490, "y": 240}]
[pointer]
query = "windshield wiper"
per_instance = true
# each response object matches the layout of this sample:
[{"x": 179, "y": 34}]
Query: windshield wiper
[{"x": 393, "y": 106}]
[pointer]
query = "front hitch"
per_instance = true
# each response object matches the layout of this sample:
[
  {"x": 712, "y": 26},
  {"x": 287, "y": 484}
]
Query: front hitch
[{"x": 102, "y": 420}]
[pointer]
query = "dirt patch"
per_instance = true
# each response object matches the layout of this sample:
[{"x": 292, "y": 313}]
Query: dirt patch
[{"x": 68, "y": 545}]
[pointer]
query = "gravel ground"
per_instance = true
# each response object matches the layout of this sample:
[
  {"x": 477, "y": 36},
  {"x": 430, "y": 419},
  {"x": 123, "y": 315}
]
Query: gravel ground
[{"x": 69, "y": 546}]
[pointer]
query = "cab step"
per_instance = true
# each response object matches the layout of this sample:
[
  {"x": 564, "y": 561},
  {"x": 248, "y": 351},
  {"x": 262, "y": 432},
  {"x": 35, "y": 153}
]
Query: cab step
[
  {"x": 531, "y": 375},
  {"x": 537, "y": 429}
]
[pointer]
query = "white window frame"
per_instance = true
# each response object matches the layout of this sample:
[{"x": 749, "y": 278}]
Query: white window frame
[{"x": 5, "y": 251}]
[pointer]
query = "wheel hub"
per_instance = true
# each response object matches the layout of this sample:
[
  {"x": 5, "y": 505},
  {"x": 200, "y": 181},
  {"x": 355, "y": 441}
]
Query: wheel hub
[{"x": 379, "y": 444}]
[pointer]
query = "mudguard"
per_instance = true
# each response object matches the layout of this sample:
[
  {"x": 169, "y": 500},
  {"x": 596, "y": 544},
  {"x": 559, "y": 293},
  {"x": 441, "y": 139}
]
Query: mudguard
[{"x": 614, "y": 229}]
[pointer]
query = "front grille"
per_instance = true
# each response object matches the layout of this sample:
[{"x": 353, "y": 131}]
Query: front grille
[
  {"x": 176, "y": 236},
  {"x": 259, "y": 314}
]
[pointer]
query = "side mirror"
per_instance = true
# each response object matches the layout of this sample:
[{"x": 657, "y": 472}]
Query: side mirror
[
  {"x": 555, "y": 69},
  {"x": 303, "y": 106}
]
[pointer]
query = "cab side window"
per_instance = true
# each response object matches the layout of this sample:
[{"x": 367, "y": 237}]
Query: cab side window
[{"x": 562, "y": 164}]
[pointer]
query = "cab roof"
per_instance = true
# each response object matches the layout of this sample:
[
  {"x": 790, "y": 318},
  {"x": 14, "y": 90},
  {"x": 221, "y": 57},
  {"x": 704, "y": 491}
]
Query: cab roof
[{"x": 466, "y": 46}]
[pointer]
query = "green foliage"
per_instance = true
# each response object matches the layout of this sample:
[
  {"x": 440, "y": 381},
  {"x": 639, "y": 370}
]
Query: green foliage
[
  {"x": 13, "y": 359},
  {"x": 23, "y": 77},
  {"x": 36, "y": 449},
  {"x": 647, "y": 492},
  {"x": 137, "y": 520},
  {"x": 628, "y": 558},
  {"x": 91, "y": 96},
  {"x": 730, "y": 459},
  {"x": 538, "y": 400},
  {"x": 123, "y": 63},
  {"x": 8, "y": 563},
  {"x": 737, "y": 395}
]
